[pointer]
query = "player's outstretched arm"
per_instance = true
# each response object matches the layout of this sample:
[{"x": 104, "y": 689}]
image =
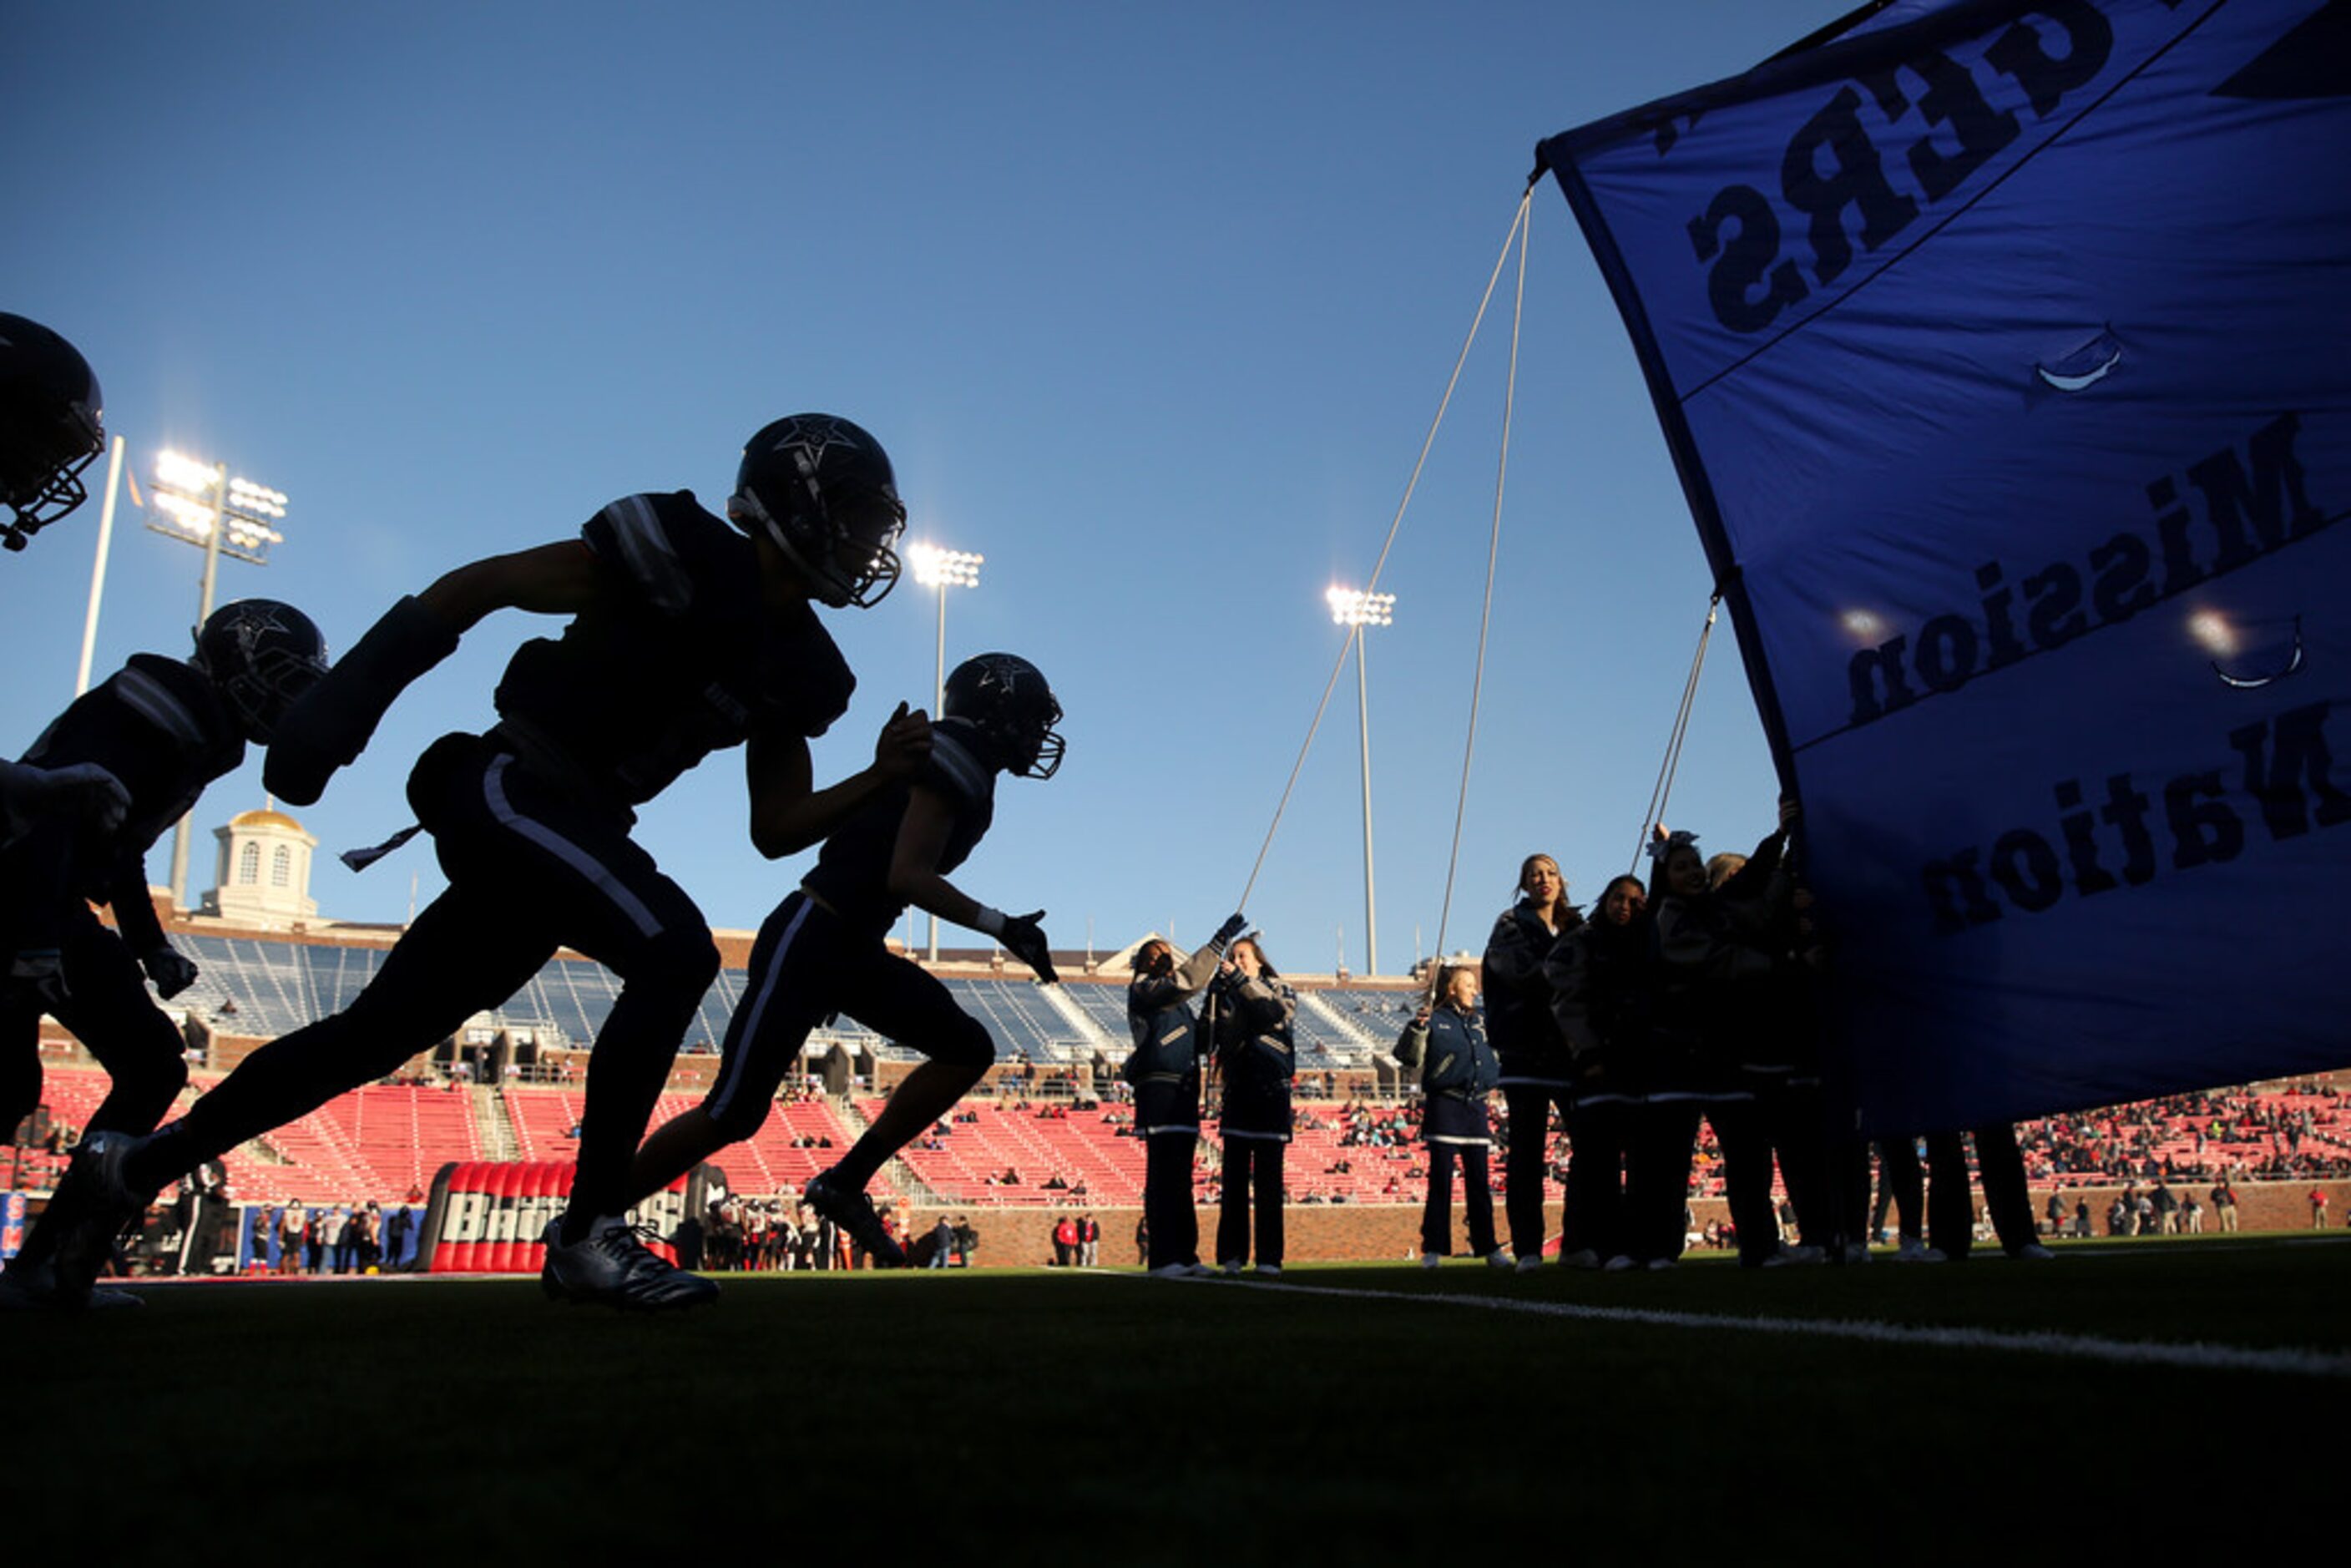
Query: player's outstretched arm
[
  {"x": 914, "y": 877},
  {"x": 330, "y": 726},
  {"x": 788, "y": 813}
]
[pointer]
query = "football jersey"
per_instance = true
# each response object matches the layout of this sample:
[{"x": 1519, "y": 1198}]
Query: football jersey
[
  {"x": 852, "y": 872},
  {"x": 641, "y": 685},
  {"x": 160, "y": 728}
]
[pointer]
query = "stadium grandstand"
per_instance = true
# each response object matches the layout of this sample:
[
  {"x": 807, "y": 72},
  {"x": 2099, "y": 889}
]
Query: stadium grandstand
[{"x": 1048, "y": 1129}]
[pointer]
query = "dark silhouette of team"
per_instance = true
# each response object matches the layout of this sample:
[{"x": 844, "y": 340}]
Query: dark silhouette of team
[{"x": 683, "y": 633}]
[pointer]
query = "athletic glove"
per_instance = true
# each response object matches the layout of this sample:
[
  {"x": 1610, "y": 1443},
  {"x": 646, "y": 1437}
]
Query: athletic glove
[
  {"x": 1226, "y": 932},
  {"x": 172, "y": 970},
  {"x": 331, "y": 724},
  {"x": 1025, "y": 940}
]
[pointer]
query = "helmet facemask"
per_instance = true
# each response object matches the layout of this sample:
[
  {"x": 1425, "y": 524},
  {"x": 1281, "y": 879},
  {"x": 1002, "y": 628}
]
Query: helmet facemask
[
  {"x": 1005, "y": 698},
  {"x": 274, "y": 682},
  {"x": 45, "y": 446},
  {"x": 1042, "y": 745},
  {"x": 262, "y": 657}
]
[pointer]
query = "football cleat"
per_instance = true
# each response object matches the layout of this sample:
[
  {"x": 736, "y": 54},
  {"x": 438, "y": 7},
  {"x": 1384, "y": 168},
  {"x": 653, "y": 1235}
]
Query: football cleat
[
  {"x": 854, "y": 1212},
  {"x": 611, "y": 1266},
  {"x": 35, "y": 1287},
  {"x": 104, "y": 1205}
]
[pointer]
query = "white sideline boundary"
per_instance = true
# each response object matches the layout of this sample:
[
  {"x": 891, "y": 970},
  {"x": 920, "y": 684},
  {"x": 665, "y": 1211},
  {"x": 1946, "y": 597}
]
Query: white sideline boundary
[{"x": 2296, "y": 1362}]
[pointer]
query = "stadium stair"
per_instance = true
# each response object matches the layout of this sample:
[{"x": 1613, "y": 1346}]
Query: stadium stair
[
  {"x": 491, "y": 1126},
  {"x": 1335, "y": 1023}
]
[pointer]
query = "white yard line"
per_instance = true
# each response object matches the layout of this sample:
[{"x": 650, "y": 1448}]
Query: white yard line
[{"x": 2080, "y": 1347}]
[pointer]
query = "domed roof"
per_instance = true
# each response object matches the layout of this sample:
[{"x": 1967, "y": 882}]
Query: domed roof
[{"x": 265, "y": 820}]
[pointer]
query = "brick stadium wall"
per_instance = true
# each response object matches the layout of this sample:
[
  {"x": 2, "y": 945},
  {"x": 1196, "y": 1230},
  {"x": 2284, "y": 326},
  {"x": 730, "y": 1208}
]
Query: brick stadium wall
[{"x": 1023, "y": 1238}]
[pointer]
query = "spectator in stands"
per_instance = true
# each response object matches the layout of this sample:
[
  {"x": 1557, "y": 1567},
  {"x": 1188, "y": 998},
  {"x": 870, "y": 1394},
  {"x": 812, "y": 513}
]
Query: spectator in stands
[
  {"x": 1165, "y": 1068},
  {"x": 1445, "y": 1043},
  {"x": 1252, "y": 1008},
  {"x": 686, "y": 637},
  {"x": 101, "y": 783},
  {"x": 824, "y": 950},
  {"x": 1535, "y": 1067}
]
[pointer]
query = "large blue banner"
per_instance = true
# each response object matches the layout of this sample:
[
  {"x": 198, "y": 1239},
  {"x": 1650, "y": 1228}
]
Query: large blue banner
[{"x": 2004, "y": 351}]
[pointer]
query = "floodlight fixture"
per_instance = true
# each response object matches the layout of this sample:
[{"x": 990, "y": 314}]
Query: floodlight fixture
[
  {"x": 1355, "y": 606},
  {"x": 937, "y": 568}
]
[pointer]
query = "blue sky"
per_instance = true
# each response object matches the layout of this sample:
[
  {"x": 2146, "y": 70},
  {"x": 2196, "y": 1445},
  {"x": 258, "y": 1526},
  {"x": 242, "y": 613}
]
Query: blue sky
[{"x": 1150, "y": 305}]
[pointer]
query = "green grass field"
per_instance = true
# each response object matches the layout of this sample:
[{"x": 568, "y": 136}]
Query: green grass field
[{"x": 1344, "y": 1413}]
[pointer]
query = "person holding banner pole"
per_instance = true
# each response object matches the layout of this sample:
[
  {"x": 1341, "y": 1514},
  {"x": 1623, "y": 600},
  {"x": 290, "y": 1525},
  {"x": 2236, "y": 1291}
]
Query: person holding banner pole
[{"x": 1163, "y": 1068}]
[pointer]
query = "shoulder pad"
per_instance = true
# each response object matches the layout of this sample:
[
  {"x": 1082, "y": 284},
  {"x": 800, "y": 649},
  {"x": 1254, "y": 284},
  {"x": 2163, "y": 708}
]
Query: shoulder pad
[
  {"x": 666, "y": 544},
  {"x": 955, "y": 768},
  {"x": 171, "y": 697}
]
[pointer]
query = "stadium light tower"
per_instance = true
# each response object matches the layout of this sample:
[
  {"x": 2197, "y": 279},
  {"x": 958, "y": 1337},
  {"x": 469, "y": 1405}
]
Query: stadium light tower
[
  {"x": 201, "y": 504},
  {"x": 939, "y": 569},
  {"x": 1353, "y": 606}
]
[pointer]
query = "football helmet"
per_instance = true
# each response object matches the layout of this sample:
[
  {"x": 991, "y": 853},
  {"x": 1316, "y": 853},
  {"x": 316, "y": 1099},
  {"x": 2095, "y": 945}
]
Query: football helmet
[
  {"x": 50, "y": 427},
  {"x": 261, "y": 655},
  {"x": 822, "y": 489},
  {"x": 1005, "y": 698}
]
